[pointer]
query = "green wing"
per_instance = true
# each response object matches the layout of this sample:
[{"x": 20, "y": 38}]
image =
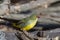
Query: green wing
[
  {"x": 26, "y": 21},
  {"x": 22, "y": 22}
]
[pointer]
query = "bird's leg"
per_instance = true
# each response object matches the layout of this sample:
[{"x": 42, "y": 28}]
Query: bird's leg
[
  {"x": 27, "y": 35},
  {"x": 21, "y": 36}
]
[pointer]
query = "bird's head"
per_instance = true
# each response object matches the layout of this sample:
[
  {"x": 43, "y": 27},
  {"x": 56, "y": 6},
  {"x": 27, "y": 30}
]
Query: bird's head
[{"x": 34, "y": 16}]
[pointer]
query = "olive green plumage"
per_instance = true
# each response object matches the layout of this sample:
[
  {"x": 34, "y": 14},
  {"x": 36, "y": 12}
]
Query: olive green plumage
[{"x": 26, "y": 23}]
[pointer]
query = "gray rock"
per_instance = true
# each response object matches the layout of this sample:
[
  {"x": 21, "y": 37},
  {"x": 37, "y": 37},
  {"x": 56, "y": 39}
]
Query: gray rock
[{"x": 7, "y": 36}]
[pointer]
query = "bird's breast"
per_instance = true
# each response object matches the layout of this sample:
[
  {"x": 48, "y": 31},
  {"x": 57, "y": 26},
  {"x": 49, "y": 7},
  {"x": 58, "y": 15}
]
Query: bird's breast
[{"x": 30, "y": 25}]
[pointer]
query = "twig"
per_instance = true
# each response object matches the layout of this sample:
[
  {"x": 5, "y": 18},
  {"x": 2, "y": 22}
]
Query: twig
[
  {"x": 27, "y": 35},
  {"x": 21, "y": 36}
]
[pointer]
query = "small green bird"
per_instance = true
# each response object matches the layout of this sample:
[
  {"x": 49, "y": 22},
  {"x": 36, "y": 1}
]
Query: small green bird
[{"x": 26, "y": 23}]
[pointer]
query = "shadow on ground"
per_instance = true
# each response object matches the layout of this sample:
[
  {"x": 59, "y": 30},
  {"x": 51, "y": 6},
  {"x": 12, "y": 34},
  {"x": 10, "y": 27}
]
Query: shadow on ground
[{"x": 48, "y": 26}]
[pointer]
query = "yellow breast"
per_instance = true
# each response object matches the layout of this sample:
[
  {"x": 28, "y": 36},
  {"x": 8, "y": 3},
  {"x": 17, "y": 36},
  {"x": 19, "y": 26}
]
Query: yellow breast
[
  {"x": 27, "y": 27},
  {"x": 30, "y": 26}
]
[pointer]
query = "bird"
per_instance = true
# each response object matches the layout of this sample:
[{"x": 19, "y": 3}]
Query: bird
[{"x": 26, "y": 23}]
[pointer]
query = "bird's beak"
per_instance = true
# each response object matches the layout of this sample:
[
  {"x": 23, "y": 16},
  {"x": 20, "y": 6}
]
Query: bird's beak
[
  {"x": 38, "y": 16},
  {"x": 41, "y": 15}
]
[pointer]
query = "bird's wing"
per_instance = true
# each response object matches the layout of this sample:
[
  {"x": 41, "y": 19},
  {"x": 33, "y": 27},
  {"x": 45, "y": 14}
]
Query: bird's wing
[{"x": 23, "y": 22}]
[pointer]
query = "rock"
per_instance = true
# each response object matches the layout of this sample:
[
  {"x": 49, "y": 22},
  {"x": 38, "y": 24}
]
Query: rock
[{"x": 7, "y": 36}]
